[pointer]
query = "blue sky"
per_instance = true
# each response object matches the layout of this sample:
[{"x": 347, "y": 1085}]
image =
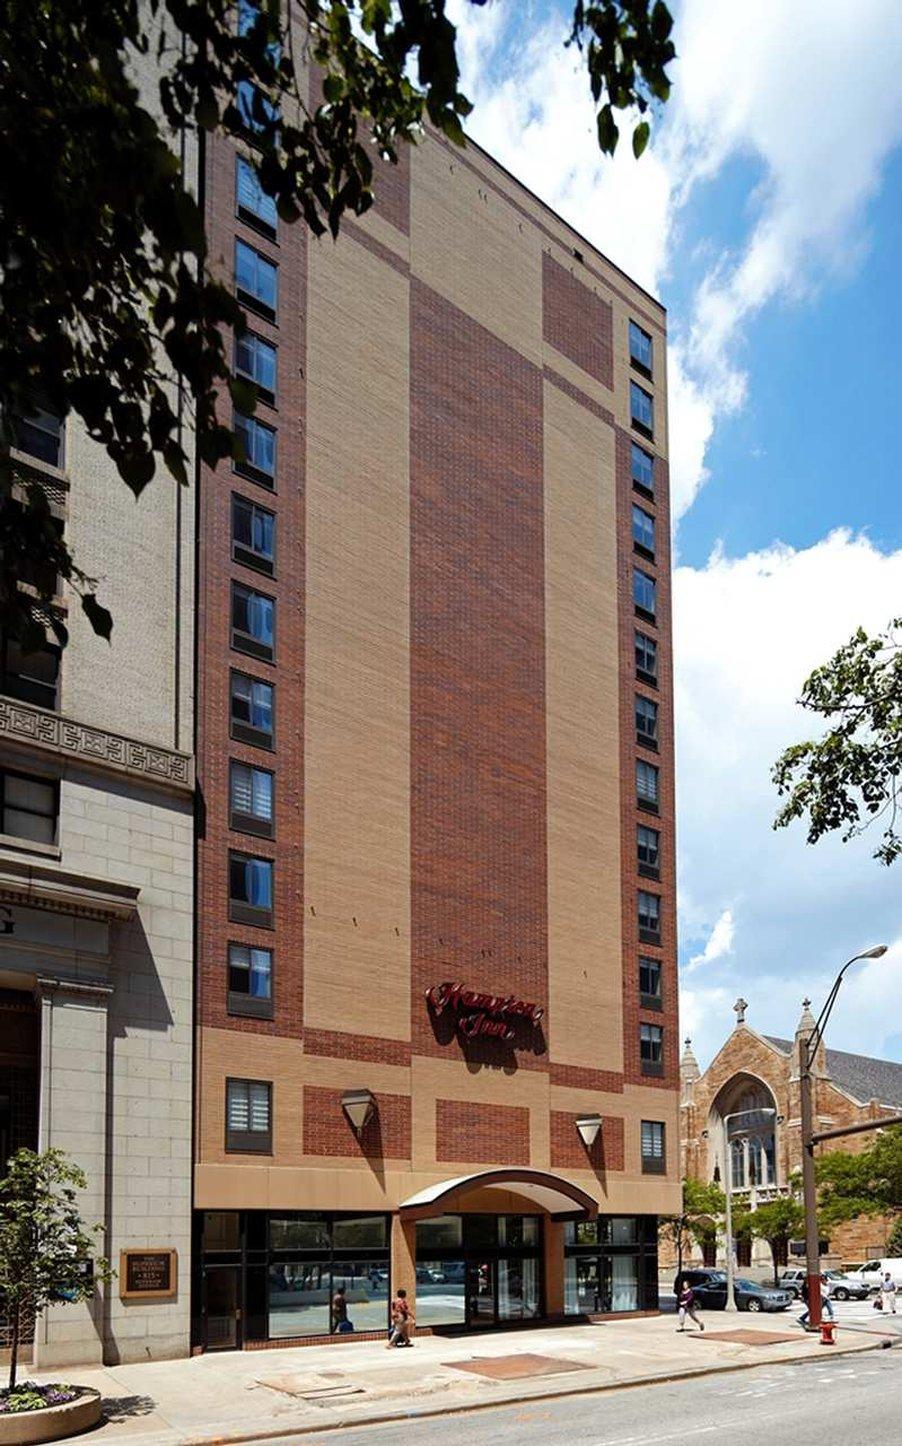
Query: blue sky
[{"x": 767, "y": 214}]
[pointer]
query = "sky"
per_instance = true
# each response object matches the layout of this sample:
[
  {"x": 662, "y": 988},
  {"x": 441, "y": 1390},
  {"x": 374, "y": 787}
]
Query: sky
[{"x": 767, "y": 216}]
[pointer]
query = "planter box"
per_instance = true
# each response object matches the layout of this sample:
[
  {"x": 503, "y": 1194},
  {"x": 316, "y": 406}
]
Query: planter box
[{"x": 52, "y": 1423}]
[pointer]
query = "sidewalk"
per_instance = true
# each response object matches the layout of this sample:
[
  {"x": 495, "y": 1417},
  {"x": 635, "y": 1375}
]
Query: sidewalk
[{"x": 242, "y": 1395}]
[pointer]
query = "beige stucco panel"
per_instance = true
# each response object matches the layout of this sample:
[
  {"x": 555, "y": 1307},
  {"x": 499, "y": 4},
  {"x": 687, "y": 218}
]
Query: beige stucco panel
[
  {"x": 585, "y": 981},
  {"x": 357, "y": 705},
  {"x": 469, "y": 244}
]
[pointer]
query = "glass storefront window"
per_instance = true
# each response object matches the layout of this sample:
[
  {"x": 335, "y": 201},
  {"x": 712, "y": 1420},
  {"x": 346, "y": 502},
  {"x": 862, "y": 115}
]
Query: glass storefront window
[
  {"x": 480, "y": 1231},
  {"x": 624, "y": 1230},
  {"x": 518, "y": 1289},
  {"x": 359, "y": 1232},
  {"x": 444, "y": 1232},
  {"x": 581, "y": 1232},
  {"x": 624, "y": 1282},
  {"x": 299, "y": 1296},
  {"x": 222, "y": 1230},
  {"x": 300, "y": 1233},
  {"x": 365, "y": 1284},
  {"x": 518, "y": 1230},
  {"x": 582, "y": 1285},
  {"x": 441, "y": 1290}
]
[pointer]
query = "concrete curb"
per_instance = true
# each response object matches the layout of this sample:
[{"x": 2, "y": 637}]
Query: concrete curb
[{"x": 385, "y": 1418}]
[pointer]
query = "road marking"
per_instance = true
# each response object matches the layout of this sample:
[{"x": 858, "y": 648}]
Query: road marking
[{"x": 649, "y": 1440}]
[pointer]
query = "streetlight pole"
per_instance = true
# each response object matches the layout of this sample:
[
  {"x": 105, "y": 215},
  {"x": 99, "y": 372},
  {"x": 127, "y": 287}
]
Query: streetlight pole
[
  {"x": 808, "y": 1046},
  {"x": 728, "y": 1181}
]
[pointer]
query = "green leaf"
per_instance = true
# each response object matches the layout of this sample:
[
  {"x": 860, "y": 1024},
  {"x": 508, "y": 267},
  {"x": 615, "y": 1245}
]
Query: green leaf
[
  {"x": 640, "y": 138},
  {"x": 608, "y": 132}
]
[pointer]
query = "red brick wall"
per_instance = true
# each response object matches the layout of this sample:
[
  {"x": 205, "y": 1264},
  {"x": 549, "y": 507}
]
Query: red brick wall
[
  {"x": 631, "y": 814},
  {"x": 477, "y": 669},
  {"x": 569, "y": 1153},
  {"x": 215, "y": 656},
  {"x": 338, "y": 1045},
  {"x": 576, "y": 322},
  {"x": 481, "y": 1134},
  {"x": 327, "y": 1130}
]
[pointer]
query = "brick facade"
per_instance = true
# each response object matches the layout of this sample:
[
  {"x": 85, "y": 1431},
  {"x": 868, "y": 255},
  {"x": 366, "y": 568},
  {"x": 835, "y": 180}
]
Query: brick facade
[
  {"x": 386, "y": 1134},
  {"x": 569, "y": 1153},
  {"x": 481, "y": 1134}
]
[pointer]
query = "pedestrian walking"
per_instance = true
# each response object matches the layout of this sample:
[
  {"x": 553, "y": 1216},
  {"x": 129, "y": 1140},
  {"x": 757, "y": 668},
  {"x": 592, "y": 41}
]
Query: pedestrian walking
[
  {"x": 341, "y": 1325},
  {"x": 687, "y": 1308},
  {"x": 401, "y": 1321},
  {"x": 888, "y": 1292},
  {"x": 826, "y": 1302}
]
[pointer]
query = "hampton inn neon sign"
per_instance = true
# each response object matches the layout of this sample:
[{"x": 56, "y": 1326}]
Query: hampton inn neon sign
[{"x": 475, "y": 1015}]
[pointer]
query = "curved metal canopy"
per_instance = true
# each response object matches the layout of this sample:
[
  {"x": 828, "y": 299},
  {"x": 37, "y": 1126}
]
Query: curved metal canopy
[{"x": 559, "y": 1197}]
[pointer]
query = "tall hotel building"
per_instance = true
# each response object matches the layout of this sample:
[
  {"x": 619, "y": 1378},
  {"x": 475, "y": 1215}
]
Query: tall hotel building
[{"x": 435, "y": 1009}]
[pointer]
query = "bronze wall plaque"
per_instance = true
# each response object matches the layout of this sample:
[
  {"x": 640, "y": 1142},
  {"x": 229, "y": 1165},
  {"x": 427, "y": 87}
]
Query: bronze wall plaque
[{"x": 148, "y": 1274}]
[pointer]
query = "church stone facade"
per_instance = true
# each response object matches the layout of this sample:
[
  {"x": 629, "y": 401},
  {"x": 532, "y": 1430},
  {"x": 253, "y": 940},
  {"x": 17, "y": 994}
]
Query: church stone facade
[{"x": 756, "y": 1071}]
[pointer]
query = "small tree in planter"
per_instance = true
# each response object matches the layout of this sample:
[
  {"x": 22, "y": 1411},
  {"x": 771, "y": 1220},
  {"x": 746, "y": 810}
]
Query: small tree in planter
[{"x": 45, "y": 1246}]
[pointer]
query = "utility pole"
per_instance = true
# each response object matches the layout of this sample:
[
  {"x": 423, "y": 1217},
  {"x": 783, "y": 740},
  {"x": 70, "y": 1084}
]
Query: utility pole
[{"x": 809, "y": 1188}]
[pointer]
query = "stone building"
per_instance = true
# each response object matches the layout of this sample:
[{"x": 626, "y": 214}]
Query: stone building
[{"x": 754, "y": 1071}]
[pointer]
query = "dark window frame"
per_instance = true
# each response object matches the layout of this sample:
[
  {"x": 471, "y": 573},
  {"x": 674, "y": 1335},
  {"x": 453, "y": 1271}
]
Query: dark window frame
[
  {"x": 642, "y": 427},
  {"x": 644, "y": 674},
  {"x": 646, "y": 368},
  {"x": 248, "y": 1142},
  {"x": 248, "y": 556},
  {"x": 647, "y": 868},
  {"x": 246, "y": 213},
  {"x": 249, "y": 822},
  {"x": 25, "y": 425},
  {"x": 248, "y": 732},
  {"x": 250, "y": 1005},
  {"x": 651, "y": 1063},
  {"x": 241, "y": 911},
  {"x": 650, "y": 931},
  {"x": 640, "y": 547},
  {"x": 53, "y": 784},
  {"x": 21, "y": 685},
  {"x": 264, "y": 393},
  {"x": 650, "y": 999},
  {"x": 246, "y": 642},
  {"x": 641, "y": 610},
  {"x": 645, "y": 489},
  {"x": 647, "y": 739},
  {"x": 651, "y": 803},
  {"x": 250, "y": 469},
  {"x": 653, "y": 1163},
  {"x": 250, "y": 299}
]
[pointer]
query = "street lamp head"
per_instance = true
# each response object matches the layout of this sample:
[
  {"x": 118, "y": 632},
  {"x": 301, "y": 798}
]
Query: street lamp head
[{"x": 877, "y": 952}]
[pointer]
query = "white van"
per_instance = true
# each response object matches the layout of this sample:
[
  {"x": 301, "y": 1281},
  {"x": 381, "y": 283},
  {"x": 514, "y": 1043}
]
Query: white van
[{"x": 873, "y": 1271}]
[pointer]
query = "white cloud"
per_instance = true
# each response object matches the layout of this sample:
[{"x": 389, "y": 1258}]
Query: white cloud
[
  {"x": 809, "y": 93},
  {"x": 747, "y": 631},
  {"x": 719, "y": 943}
]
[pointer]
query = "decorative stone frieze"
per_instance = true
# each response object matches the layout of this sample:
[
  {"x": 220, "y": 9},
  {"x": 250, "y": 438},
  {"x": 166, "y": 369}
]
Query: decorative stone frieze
[{"x": 22, "y": 723}]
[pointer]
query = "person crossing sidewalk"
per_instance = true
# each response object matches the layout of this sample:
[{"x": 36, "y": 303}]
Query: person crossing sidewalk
[{"x": 687, "y": 1308}]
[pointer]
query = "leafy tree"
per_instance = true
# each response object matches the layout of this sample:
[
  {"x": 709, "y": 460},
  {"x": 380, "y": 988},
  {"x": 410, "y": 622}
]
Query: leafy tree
[
  {"x": 894, "y": 1242},
  {"x": 110, "y": 309},
  {"x": 702, "y": 1203},
  {"x": 44, "y": 1244},
  {"x": 849, "y": 779},
  {"x": 869, "y": 1183},
  {"x": 777, "y": 1221}
]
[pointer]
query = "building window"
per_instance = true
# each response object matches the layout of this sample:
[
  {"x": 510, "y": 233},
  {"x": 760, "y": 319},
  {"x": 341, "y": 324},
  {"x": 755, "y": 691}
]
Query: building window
[
  {"x": 646, "y": 721},
  {"x": 251, "y": 710},
  {"x": 256, "y": 280},
  {"x": 642, "y": 409},
  {"x": 654, "y": 1159},
  {"x": 643, "y": 530},
  {"x": 651, "y": 1049},
  {"x": 647, "y": 785},
  {"x": 256, "y": 112},
  {"x": 40, "y": 434},
  {"x": 646, "y": 659},
  {"x": 250, "y": 981},
  {"x": 649, "y": 983},
  {"x": 251, "y": 799},
  {"x": 641, "y": 349},
  {"x": 30, "y": 677},
  {"x": 252, "y": 203},
  {"x": 644, "y": 593},
  {"x": 30, "y": 807},
  {"x": 648, "y": 910},
  {"x": 255, "y": 360},
  {"x": 253, "y": 622},
  {"x": 253, "y": 535},
  {"x": 643, "y": 469},
  {"x": 648, "y": 850},
  {"x": 249, "y": 1116},
  {"x": 251, "y": 890},
  {"x": 259, "y": 442}
]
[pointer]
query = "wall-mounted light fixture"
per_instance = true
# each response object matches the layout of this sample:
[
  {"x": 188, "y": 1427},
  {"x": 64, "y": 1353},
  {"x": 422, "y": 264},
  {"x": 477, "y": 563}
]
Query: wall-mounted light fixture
[
  {"x": 587, "y": 1127},
  {"x": 358, "y": 1105}
]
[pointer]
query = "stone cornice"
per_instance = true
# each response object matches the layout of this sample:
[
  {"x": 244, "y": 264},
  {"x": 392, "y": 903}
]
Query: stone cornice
[
  {"x": 40, "y": 886},
  {"x": 49, "y": 733}
]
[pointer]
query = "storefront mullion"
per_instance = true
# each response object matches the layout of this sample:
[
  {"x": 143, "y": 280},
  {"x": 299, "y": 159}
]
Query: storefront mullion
[{"x": 610, "y": 1266}]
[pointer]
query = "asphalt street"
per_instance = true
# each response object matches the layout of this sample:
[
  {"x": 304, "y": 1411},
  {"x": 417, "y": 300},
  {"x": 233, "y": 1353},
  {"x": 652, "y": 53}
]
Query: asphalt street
[{"x": 830, "y": 1400}]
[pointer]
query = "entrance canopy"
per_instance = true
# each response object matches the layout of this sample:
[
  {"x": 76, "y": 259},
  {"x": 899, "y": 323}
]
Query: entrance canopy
[{"x": 559, "y": 1197}]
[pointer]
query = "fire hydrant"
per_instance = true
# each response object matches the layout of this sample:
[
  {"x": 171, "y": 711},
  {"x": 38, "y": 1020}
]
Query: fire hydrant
[{"x": 828, "y": 1328}]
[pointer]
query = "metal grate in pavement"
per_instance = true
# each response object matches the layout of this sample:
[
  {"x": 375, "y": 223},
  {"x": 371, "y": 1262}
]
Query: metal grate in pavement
[
  {"x": 512, "y": 1368},
  {"x": 747, "y": 1338}
]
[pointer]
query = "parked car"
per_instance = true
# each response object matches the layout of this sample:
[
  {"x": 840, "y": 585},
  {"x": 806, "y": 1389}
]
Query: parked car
[
  {"x": 710, "y": 1287},
  {"x": 792, "y": 1280},
  {"x": 844, "y": 1287}
]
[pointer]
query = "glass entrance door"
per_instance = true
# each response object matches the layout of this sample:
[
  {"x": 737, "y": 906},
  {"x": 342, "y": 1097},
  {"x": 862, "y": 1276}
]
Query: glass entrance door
[
  {"x": 222, "y": 1307},
  {"x": 481, "y": 1292}
]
